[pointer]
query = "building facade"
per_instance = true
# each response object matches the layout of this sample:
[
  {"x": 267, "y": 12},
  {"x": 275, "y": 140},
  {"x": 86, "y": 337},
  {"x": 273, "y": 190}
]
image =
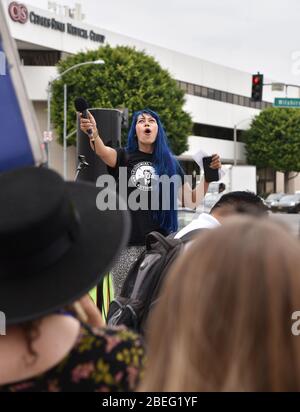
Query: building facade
[{"x": 217, "y": 97}]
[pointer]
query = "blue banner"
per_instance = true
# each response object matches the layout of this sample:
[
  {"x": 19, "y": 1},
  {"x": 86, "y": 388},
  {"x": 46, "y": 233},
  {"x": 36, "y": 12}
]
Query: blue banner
[{"x": 15, "y": 148}]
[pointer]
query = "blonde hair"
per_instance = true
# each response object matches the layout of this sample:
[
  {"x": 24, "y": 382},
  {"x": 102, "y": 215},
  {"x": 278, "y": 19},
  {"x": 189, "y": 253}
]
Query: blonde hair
[{"x": 223, "y": 322}]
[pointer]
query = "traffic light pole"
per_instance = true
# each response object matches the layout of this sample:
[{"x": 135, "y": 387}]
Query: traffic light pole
[{"x": 282, "y": 86}]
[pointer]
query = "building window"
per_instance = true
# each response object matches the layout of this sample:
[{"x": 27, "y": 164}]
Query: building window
[
  {"x": 258, "y": 105},
  {"x": 204, "y": 91},
  {"x": 39, "y": 57},
  {"x": 230, "y": 98},
  {"x": 247, "y": 101},
  {"x": 197, "y": 90},
  {"x": 224, "y": 96},
  {"x": 211, "y": 94},
  {"x": 235, "y": 99},
  {"x": 190, "y": 89},
  {"x": 217, "y": 95},
  {"x": 215, "y": 132},
  {"x": 183, "y": 86}
]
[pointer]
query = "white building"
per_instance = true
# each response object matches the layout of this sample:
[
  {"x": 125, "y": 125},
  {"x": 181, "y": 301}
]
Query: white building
[{"x": 217, "y": 97}]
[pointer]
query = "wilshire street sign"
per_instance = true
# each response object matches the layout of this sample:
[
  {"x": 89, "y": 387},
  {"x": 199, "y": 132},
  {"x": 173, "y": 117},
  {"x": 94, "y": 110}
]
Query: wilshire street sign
[{"x": 286, "y": 102}]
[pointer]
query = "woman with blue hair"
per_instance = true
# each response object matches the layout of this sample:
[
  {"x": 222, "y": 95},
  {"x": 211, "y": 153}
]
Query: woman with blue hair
[{"x": 150, "y": 166}]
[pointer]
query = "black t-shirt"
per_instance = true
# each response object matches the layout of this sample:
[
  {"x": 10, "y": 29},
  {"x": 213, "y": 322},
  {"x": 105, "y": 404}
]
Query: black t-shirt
[{"x": 141, "y": 178}]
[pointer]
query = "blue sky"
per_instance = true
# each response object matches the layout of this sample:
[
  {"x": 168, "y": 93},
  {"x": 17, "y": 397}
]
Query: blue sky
[{"x": 251, "y": 35}]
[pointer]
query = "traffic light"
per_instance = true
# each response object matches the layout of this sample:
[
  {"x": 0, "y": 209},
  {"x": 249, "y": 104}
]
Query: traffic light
[{"x": 257, "y": 87}]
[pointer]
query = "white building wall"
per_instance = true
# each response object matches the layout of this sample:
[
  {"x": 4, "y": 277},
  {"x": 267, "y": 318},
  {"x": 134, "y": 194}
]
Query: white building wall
[
  {"x": 216, "y": 113},
  {"x": 36, "y": 81}
]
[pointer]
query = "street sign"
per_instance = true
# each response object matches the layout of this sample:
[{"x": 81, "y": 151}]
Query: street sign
[
  {"x": 286, "y": 102},
  {"x": 20, "y": 138},
  {"x": 278, "y": 87}
]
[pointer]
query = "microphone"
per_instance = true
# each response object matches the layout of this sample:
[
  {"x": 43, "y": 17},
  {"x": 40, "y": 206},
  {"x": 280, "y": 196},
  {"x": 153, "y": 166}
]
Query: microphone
[
  {"x": 81, "y": 105},
  {"x": 83, "y": 161}
]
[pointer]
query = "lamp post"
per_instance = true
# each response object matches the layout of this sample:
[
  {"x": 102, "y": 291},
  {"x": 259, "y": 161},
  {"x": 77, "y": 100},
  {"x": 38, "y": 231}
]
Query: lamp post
[
  {"x": 49, "y": 89},
  {"x": 235, "y": 139}
]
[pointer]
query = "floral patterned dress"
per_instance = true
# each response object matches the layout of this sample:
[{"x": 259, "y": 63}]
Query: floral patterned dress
[{"x": 102, "y": 360}]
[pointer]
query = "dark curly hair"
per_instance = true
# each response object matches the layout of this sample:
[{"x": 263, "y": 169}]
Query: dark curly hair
[{"x": 243, "y": 202}]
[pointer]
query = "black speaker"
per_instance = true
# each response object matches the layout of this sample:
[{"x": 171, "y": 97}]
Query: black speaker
[{"x": 109, "y": 124}]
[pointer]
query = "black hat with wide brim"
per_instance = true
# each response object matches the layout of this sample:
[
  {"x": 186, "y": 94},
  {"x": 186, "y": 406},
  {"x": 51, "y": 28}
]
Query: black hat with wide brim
[{"x": 55, "y": 243}]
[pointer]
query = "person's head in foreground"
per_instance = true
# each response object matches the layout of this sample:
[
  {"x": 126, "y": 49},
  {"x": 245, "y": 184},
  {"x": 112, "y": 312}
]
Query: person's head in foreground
[
  {"x": 238, "y": 202},
  {"x": 224, "y": 321},
  {"x": 55, "y": 246}
]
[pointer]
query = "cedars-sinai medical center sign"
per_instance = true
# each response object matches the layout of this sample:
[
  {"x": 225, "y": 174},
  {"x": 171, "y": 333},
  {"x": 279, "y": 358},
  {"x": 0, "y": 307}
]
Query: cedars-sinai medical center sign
[{"x": 19, "y": 13}]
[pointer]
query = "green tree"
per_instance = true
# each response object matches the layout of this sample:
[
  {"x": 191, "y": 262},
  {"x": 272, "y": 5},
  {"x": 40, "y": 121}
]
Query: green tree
[
  {"x": 129, "y": 78},
  {"x": 273, "y": 140}
]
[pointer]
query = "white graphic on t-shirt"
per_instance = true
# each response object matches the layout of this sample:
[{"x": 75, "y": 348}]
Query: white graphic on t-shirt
[{"x": 142, "y": 176}]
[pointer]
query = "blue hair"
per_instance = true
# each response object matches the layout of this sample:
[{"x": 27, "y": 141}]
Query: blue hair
[{"x": 164, "y": 162}]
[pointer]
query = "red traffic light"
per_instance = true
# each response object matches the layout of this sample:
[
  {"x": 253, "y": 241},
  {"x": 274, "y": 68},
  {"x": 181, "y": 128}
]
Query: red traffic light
[
  {"x": 257, "y": 87},
  {"x": 256, "y": 79}
]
